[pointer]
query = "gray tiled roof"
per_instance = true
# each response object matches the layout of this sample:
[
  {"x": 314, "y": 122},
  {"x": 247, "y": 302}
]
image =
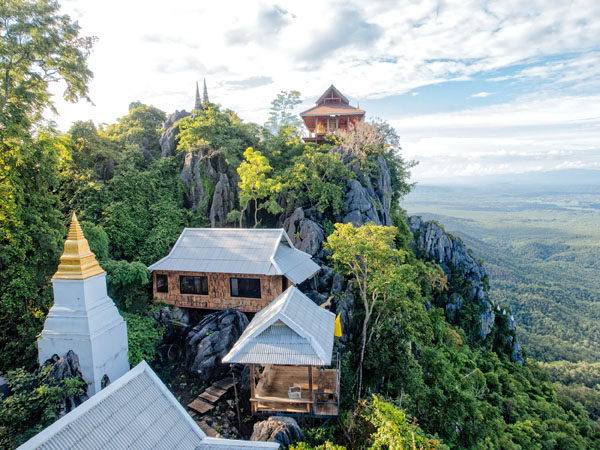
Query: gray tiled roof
[
  {"x": 238, "y": 250},
  {"x": 292, "y": 330},
  {"x": 137, "y": 411}
]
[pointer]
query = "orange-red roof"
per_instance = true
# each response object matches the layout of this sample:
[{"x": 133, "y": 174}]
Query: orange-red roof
[{"x": 339, "y": 109}]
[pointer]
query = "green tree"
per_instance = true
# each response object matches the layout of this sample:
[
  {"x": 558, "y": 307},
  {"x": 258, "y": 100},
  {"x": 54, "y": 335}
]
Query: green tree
[
  {"x": 214, "y": 132},
  {"x": 255, "y": 186},
  {"x": 367, "y": 254},
  {"x": 35, "y": 401},
  {"x": 282, "y": 119},
  {"x": 140, "y": 129},
  {"x": 393, "y": 431},
  {"x": 38, "y": 47},
  {"x": 316, "y": 178}
]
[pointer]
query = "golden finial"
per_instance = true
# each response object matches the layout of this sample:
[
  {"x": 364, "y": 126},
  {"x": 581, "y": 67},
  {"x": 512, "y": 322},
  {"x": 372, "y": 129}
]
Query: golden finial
[{"x": 77, "y": 261}]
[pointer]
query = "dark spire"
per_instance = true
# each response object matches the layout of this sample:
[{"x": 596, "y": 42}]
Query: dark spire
[
  {"x": 198, "y": 104},
  {"x": 205, "y": 96}
]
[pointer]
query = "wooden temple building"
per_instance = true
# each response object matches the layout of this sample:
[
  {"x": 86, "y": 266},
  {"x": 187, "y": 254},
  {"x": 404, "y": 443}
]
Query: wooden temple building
[
  {"x": 219, "y": 268},
  {"x": 289, "y": 346},
  {"x": 332, "y": 112}
]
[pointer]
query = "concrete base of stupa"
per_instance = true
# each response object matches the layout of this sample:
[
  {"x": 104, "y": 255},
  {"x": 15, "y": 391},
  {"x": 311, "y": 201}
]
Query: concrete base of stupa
[{"x": 85, "y": 319}]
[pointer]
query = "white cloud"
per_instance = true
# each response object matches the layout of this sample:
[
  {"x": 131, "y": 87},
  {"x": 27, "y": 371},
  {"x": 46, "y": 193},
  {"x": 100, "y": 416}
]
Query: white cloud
[
  {"x": 251, "y": 51},
  {"x": 481, "y": 94},
  {"x": 525, "y": 135},
  {"x": 146, "y": 50}
]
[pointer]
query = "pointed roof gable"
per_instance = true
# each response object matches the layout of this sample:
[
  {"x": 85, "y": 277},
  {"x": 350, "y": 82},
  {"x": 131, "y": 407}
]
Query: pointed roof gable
[
  {"x": 266, "y": 251},
  {"x": 77, "y": 262},
  {"x": 291, "y": 330},
  {"x": 137, "y": 411},
  {"x": 332, "y": 92},
  {"x": 332, "y": 102}
]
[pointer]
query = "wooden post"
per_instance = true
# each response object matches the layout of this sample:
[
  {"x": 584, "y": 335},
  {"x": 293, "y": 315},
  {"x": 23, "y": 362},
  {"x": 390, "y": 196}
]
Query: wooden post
[
  {"x": 254, "y": 405},
  {"x": 310, "y": 387}
]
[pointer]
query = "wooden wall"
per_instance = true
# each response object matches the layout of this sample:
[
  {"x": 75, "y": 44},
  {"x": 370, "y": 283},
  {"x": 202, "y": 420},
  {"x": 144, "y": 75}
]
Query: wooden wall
[{"x": 218, "y": 291}]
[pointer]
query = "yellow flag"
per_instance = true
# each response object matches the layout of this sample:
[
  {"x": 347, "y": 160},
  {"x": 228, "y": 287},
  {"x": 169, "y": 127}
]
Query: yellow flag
[{"x": 338, "y": 327}]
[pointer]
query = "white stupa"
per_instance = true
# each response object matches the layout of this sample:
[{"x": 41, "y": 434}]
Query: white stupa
[{"x": 84, "y": 318}]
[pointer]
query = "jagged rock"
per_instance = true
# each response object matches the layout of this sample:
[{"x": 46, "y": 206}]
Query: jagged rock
[
  {"x": 360, "y": 207},
  {"x": 432, "y": 241},
  {"x": 4, "y": 388},
  {"x": 210, "y": 340},
  {"x": 337, "y": 284},
  {"x": 105, "y": 381},
  {"x": 209, "y": 186},
  {"x": 181, "y": 315},
  {"x": 167, "y": 141},
  {"x": 343, "y": 304},
  {"x": 511, "y": 323},
  {"x": 317, "y": 297},
  {"x": 163, "y": 316},
  {"x": 283, "y": 430},
  {"x": 455, "y": 304},
  {"x": 517, "y": 354},
  {"x": 62, "y": 369},
  {"x": 306, "y": 234},
  {"x": 486, "y": 321},
  {"x": 223, "y": 201}
]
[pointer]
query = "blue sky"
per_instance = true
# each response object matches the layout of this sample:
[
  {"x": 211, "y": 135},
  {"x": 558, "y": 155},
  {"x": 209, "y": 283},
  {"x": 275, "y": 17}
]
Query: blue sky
[{"x": 473, "y": 87}]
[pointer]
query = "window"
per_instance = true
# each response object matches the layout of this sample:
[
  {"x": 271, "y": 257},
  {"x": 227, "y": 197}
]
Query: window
[
  {"x": 162, "y": 283},
  {"x": 245, "y": 287},
  {"x": 193, "y": 285}
]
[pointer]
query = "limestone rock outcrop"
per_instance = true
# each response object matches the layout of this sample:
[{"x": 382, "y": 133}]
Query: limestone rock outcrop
[
  {"x": 168, "y": 141},
  {"x": 210, "y": 186},
  {"x": 63, "y": 368},
  {"x": 306, "y": 234},
  {"x": 433, "y": 243},
  {"x": 210, "y": 340},
  {"x": 368, "y": 198},
  {"x": 283, "y": 430}
]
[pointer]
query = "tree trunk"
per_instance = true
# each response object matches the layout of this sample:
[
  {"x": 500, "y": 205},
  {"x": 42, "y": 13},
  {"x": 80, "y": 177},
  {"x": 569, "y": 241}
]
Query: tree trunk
[
  {"x": 255, "y": 212},
  {"x": 363, "y": 346}
]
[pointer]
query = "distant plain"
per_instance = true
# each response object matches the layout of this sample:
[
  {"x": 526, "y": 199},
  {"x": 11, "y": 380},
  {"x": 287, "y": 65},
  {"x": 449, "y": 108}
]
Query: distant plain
[{"x": 540, "y": 239}]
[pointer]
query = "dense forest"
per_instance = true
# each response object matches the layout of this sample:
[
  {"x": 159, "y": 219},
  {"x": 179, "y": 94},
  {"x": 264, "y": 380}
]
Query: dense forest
[{"x": 414, "y": 375}]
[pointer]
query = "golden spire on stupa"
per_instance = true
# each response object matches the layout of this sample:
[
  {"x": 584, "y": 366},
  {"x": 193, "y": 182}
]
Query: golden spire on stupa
[{"x": 77, "y": 261}]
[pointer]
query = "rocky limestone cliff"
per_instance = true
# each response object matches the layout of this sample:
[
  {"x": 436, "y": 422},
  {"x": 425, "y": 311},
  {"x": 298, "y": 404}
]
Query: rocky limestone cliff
[
  {"x": 168, "y": 141},
  {"x": 369, "y": 197},
  {"x": 433, "y": 243},
  {"x": 210, "y": 183},
  {"x": 210, "y": 340}
]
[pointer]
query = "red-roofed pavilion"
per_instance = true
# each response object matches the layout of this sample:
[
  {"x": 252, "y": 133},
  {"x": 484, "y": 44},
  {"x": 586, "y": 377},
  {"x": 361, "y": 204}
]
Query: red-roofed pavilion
[{"x": 332, "y": 112}]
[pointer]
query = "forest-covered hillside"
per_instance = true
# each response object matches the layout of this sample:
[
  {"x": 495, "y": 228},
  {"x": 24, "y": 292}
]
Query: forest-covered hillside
[{"x": 430, "y": 361}]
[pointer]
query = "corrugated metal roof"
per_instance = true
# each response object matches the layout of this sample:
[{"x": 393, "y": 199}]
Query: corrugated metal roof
[
  {"x": 292, "y": 330},
  {"x": 238, "y": 250},
  {"x": 137, "y": 411}
]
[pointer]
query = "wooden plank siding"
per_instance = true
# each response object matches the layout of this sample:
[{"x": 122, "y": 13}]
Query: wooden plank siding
[{"x": 219, "y": 292}]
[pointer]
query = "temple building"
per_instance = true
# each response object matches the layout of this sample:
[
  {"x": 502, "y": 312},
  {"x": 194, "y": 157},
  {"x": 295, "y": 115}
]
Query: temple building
[
  {"x": 220, "y": 268},
  {"x": 332, "y": 112},
  {"x": 84, "y": 318}
]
